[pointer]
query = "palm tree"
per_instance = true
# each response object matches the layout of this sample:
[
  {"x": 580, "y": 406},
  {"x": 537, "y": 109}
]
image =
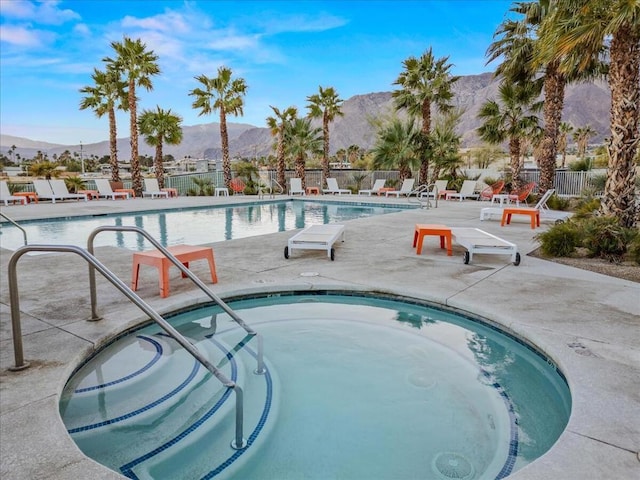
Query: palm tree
[
  {"x": 225, "y": 95},
  {"x": 301, "y": 139},
  {"x": 396, "y": 147},
  {"x": 424, "y": 82},
  {"x": 445, "y": 144},
  {"x": 326, "y": 105},
  {"x": 581, "y": 136},
  {"x": 138, "y": 66},
  {"x": 590, "y": 26},
  {"x": 510, "y": 120},
  {"x": 565, "y": 129},
  {"x": 159, "y": 127},
  {"x": 105, "y": 95},
  {"x": 278, "y": 125},
  {"x": 518, "y": 46}
]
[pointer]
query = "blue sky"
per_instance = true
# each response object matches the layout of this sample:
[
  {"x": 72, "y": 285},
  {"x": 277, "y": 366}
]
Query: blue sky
[{"x": 284, "y": 50}]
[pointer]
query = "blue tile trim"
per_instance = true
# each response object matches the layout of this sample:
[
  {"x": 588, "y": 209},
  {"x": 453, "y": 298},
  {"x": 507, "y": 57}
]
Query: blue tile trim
[
  {"x": 155, "y": 358},
  {"x": 127, "y": 469},
  {"x": 256, "y": 431},
  {"x": 164, "y": 398},
  {"x": 510, "y": 461}
]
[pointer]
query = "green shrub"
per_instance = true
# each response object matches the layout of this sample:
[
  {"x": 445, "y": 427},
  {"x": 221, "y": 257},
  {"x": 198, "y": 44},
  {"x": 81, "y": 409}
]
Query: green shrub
[
  {"x": 604, "y": 237},
  {"x": 587, "y": 207},
  {"x": 561, "y": 240},
  {"x": 558, "y": 203},
  {"x": 634, "y": 249}
]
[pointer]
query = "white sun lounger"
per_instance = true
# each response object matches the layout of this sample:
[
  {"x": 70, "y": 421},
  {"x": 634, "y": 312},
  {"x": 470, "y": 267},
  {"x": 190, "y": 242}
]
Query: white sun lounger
[
  {"x": 316, "y": 237},
  {"x": 479, "y": 241}
]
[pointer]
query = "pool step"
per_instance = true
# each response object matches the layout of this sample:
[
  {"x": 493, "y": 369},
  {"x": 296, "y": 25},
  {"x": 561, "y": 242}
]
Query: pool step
[{"x": 163, "y": 385}]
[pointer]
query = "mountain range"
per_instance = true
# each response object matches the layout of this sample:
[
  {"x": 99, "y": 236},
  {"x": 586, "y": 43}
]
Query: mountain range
[{"x": 585, "y": 104}]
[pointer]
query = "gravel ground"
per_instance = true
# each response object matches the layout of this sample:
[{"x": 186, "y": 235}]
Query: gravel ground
[{"x": 627, "y": 270}]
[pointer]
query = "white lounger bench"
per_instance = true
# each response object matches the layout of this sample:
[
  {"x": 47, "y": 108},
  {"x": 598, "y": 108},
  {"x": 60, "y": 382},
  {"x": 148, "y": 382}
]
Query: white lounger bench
[
  {"x": 479, "y": 241},
  {"x": 316, "y": 237}
]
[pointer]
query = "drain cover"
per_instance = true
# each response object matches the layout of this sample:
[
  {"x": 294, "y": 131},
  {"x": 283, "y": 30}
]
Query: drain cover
[
  {"x": 453, "y": 465},
  {"x": 309, "y": 274}
]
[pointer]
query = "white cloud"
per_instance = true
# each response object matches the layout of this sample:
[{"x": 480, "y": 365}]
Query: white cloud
[
  {"x": 233, "y": 42},
  {"x": 82, "y": 29},
  {"x": 24, "y": 36},
  {"x": 43, "y": 12},
  {"x": 302, "y": 23}
]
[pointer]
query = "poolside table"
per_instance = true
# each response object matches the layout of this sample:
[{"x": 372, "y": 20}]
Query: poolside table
[
  {"x": 184, "y": 253},
  {"x": 441, "y": 231}
]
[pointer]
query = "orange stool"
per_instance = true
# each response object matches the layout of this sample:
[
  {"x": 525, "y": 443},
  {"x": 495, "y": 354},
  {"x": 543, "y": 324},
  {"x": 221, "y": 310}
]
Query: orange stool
[
  {"x": 442, "y": 231},
  {"x": 28, "y": 197},
  {"x": 534, "y": 213},
  {"x": 313, "y": 190},
  {"x": 130, "y": 191},
  {"x": 173, "y": 192},
  {"x": 184, "y": 253}
]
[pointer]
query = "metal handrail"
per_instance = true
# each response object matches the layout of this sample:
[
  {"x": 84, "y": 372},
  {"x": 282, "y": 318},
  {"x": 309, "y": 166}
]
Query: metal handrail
[
  {"x": 174, "y": 260},
  {"x": 421, "y": 200},
  {"x": 10, "y": 220},
  {"x": 238, "y": 441}
]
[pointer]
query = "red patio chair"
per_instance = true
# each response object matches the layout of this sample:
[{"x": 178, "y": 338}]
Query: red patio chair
[
  {"x": 238, "y": 186},
  {"x": 489, "y": 192},
  {"x": 521, "y": 195}
]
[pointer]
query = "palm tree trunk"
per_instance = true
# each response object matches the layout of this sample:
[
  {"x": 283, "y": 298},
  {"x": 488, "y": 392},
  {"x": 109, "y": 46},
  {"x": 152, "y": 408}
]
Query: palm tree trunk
[
  {"x": 300, "y": 171},
  {"x": 224, "y": 137},
  {"x": 326, "y": 173},
  {"x": 554, "y": 84},
  {"x": 514, "y": 153},
  {"x": 281, "y": 166},
  {"x": 423, "y": 176},
  {"x": 136, "y": 177},
  {"x": 158, "y": 162},
  {"x": 624, "y": 82},
  {"x": 113, "y": 146}
]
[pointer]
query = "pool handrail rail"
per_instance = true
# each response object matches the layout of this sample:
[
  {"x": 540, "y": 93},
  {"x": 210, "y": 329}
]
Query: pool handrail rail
[
  {"x": 12, "y": 221},
  {"x": 166, "y": 253},
  {"x": 424, "y": 202},
  {"x": 237, "y": 443}
]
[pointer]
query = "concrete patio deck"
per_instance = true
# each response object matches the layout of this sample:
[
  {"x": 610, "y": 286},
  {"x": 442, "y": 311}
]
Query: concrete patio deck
[{"x": 589, "y": 324}]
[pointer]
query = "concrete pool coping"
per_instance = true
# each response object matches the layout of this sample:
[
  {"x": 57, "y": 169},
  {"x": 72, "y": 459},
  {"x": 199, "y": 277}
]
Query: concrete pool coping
[{"x": 587, "y": 322}]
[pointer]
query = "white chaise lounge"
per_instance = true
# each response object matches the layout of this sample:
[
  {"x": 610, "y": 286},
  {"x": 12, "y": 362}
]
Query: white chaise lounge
[{"x": 316, "y": 237}]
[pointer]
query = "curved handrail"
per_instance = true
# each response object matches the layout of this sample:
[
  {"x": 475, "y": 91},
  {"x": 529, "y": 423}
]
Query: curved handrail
[
  {"x": 166, "y": 253},
  {"x": 424, "y": 202},
  {"x": 10, "y": 220},
  {"x": 20, "y": 364}
]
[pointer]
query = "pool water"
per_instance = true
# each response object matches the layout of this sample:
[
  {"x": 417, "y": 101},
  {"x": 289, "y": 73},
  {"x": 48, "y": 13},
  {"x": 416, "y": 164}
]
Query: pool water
[
  {"x": 194, "y": 226},
  {"x": 357, "y": 386}
]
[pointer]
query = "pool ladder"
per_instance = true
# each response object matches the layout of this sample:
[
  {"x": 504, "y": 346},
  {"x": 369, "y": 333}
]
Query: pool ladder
[
  {"x": 424, "y": 202},
  {"x": 238, "y": 441}
]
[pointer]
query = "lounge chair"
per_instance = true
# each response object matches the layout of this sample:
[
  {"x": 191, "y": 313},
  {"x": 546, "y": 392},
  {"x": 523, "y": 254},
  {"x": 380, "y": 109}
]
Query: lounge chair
[
  {"x": 332, "y": 188},
  {"x": 545, "y": 211},
  {"x": 438, "y": 190},
  {"x": 61, "y": 191},
  {"x": 316, "y": 237},
  {"x": 490, "y": 191},
  {"x": 295, "y": 186},
  {"x": 405, "y": 189},
  {"x": 466, "y": 191},
  {"x": 45, "y": 190},
  {"x": 6, "y": 197},
  {"x": 238, "y": 186},
  {"x": 377, "y": 185},
  {"x": 152, "y": 189},
  {"x": 105, "y": 190},
  {"x": 521, "y": 195}
]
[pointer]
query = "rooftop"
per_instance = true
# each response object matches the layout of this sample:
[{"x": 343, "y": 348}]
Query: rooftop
[{"x": 586, "y": 322}]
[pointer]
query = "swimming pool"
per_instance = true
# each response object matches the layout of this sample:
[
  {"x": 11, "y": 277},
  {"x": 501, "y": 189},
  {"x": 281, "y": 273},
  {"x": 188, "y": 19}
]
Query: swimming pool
[
  {"x": 194, "y": 226},
  {"x": 357, "y": 386}
]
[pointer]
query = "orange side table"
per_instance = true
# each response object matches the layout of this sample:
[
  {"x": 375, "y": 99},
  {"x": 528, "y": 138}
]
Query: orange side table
[
  {"x": 313, "y": 190},
  {"x": 28, "y": 197},
  {"x": 384, "y": 190},
  {"x": 130, "y": 191},
  {"x": 423, "y": 230},
  {"x": 184, "y": 253},
  {"x": 534, "y": 213},
  {"x": 173, "y": 192},
  {"x": 91, "y": 194}
]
